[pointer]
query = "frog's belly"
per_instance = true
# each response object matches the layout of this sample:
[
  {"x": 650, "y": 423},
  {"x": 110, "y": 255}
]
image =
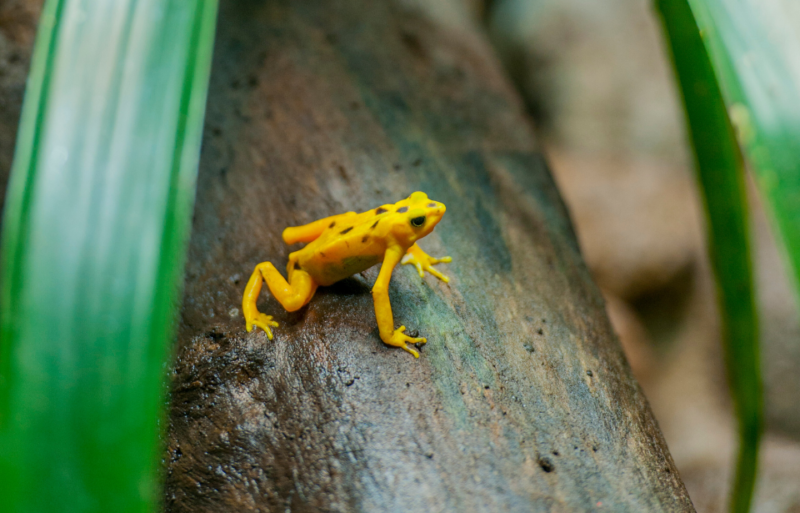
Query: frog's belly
[{"x": 328, "y": 273}]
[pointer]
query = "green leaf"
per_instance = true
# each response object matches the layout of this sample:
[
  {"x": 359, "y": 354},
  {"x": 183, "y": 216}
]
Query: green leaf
[
  {"x": 721, "y": 175},
  {"x": 94, "y": 239},
  {"x": 754, "y": 48}
]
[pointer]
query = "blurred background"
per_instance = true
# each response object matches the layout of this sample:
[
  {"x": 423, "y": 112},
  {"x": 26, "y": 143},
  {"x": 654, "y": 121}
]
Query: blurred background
[{"x": 596, "y": 79}]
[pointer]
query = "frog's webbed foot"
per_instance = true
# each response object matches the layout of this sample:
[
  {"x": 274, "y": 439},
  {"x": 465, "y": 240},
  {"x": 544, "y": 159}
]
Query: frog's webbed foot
[
  {"x": 400, "y": 339},
  {"x": 424, "y": 262},
  {"x": 263, "y": 321}
]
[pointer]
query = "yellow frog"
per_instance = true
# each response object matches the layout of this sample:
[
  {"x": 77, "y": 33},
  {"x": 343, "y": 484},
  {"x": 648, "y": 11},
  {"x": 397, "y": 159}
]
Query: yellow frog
[{"x": 346, "y": 244}]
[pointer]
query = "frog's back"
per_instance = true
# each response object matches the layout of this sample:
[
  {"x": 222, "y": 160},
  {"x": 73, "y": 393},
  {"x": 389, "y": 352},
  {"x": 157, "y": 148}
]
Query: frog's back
[{"x": 352, "y": 243}]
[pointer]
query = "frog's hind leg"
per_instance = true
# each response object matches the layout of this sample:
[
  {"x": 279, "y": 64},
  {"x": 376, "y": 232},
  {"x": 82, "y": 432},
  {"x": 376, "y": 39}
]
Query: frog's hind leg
[
  {"x": 309, "y": 232},
  {"x": 295, "y": 293},
  {"x": 292, "y": 295}
]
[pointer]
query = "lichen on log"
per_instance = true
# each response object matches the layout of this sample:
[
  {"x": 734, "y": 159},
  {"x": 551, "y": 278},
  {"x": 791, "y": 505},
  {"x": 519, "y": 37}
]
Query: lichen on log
[{"x": 520, "y": 401}]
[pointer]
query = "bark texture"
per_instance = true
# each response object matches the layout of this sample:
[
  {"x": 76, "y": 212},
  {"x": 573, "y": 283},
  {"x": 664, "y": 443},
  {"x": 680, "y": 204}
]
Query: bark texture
[
  {"x": 17, "y": 27},
  {"x": 521, "y": 400}
]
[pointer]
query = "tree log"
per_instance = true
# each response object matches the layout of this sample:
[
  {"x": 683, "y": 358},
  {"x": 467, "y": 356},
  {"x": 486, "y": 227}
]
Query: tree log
[
  {"x": 17, "y": 28},
  {"x": 521, "y": 400}
]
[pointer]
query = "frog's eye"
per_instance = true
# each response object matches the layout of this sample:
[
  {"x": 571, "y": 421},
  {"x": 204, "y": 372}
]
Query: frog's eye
[{"x": 418, "y": 221}]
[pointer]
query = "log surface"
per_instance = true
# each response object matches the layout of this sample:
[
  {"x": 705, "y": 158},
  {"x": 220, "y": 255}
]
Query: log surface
[{"x": 521, "y": 400}]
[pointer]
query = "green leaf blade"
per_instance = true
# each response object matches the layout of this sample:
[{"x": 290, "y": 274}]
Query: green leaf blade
[
  {"x": 754, "y": 48},
  {"x": 94, "y": 241},
  {"x": 720, "y": 171}
]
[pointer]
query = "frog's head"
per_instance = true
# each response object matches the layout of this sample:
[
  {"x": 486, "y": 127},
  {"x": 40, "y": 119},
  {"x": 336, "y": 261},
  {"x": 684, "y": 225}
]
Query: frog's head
[{"x": 416, "y": 217}]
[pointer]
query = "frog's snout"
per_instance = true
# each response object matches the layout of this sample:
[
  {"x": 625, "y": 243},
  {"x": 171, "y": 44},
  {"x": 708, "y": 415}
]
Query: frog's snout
[{"x": 436, "y": 210}]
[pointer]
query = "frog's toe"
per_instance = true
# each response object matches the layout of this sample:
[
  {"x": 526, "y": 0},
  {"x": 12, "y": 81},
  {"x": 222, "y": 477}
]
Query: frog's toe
[
  {"x": 416, "y": 341},
  {"x": 264, "y": 322},
  {"x": 412, "y": 351},
  {"x": 413, "y": 336},
  {"x": 400, "y": 339},
  {"x": 439, "y": 275},
  {"x": 424, "y": 263}
]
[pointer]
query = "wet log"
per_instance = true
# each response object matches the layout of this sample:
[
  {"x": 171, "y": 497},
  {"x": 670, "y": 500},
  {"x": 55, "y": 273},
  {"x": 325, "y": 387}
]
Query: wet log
[{"x": 521, "y": 400}]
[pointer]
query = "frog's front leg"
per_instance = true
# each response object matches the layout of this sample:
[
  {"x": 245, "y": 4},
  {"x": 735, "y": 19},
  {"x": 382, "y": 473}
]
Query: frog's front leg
[
  {"x": 424, "y": 262},
  {"x": 383, "y": 308}
]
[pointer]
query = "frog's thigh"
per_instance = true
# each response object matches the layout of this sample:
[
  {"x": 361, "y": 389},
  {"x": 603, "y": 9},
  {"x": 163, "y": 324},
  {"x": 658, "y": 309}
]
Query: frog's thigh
[
  {"x": 292, "y": 295},
  {"x": 309, "y": 232}
]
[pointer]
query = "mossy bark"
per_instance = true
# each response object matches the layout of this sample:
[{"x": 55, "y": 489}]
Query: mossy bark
[{"x": 521, "y": 400}]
